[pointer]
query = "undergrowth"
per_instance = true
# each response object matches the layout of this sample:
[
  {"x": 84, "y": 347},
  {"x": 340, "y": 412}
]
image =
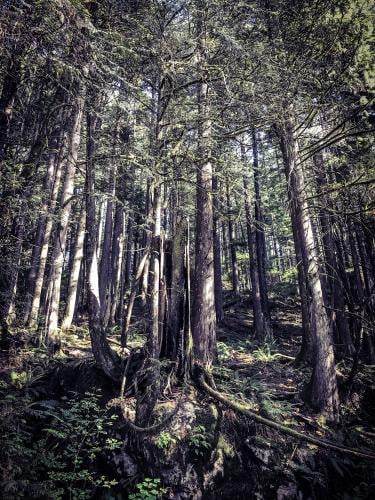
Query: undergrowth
[{"x": 52, "y": 449}]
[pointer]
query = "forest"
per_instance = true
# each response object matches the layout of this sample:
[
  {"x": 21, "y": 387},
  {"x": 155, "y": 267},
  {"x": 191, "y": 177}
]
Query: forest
[{"x": 187, "y": 260}]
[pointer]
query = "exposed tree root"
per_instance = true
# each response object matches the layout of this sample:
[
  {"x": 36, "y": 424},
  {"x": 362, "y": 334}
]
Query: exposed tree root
[
  {"x": 282, "y": 428},
  {"x": 152, "y": 429}
]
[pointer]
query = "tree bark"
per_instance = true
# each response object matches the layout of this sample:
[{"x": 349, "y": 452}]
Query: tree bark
[
  {"x": 177, "y": 289},
  {"x": 324, "y": 393},
  {"x": 232, "y": 244},
  {"x": 75, "y": 270},
  {"x": 217, "y": 254},
  {"x": 39, "y": 278},
  {"x": 204, "y": 317},
  {"x": 258, "y": 316},
  {"x": 105, "y": 277},
  {"x": 105, "y": 358},
  {"x": 51, "y": 173},
  {"x": 58, "y": 253},
  {"x": 261, "y": 242},
  {"x": 117, "y": 254}
]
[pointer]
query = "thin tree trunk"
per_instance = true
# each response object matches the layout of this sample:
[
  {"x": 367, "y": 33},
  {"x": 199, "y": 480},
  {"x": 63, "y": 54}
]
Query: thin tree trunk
[
  {"x": 232, "y": 244},
  {"x": 258, "y": 316},
  {"x": 41, "y": 227},
  {"x": 334, "y": 289},
  {"x": 37, "y": 292},
  {"x": 133, "y": 294},
  {"x": 105, "y": 277},
  {"x": 147, "y": 241},
  {"x": 75, "y": 270},
  {"x": 261, "y": 243},
  {"x": 116, "y": 260},
  {"x": 12, "y": 252},
  {"x": 258, "y": 320},
  {"x": 58, "y": 253},
  {"x": 217, "y": 255}
]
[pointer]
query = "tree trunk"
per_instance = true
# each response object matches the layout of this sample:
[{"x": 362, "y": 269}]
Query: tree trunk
[
  {"x": 41, "y": 227},
  {"x": 105, "y": 277},
  {"x": 147, "y": 242},
  {"x": 324, "y": 393},
  {"x": 58, "y": 253},
  {"x": 105, "y": 358},
  {"x": 232, "y": 244},
  {"x": 37, "y": 292},
  {"x": 117, "y": 254},
  {"x": 11, "y": 253},
  {"x": 334, "y": 290},
  {"x": 204, "y": 317},
  {"x": 258, "y": 316},
  {"x": 217, "y": 255},
  {"x": 75, "y": 270},
  {"x": 261, "y": 243},
  {"x": 258, "y": 320},
  {"x": 177, "y": 289}
]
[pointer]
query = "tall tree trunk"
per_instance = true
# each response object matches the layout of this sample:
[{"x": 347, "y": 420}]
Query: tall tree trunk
[
  {"x": 256, "y": 298},
  {"x": 261, "y": 242},
  {"x": 306, "y": 353},
  {"x": 105, "y": 358},
  {"x": 75, "y": 270},
  {"x": 39, "y": 278},
  {"x": 232, "y": 243},
  {"x": 105, "y": 277},
  {"x": 204, "y": 317},
  {"x": 41, "y": 227},
  {"x": 147, "y": 241},
  {"x": 324, "y": 393},
  {"x": 116, "y": 260},
  {"x": 58, "y": 253},
  {"x": 149, "y": 381},
  {"x": 177, "y": 289},
  {"x": 217, "y": 254},
  {"x": 258, "y": 320},
  {"x": 334, "y": 290}
]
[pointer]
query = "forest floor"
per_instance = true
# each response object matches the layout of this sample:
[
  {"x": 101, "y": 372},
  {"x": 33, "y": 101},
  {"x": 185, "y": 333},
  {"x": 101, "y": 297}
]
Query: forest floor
[{"x": 263, "y": 377}]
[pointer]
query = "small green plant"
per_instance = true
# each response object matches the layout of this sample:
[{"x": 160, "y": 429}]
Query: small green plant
[
  {"x": 148, "y": 489},
  {"x": 223, "y": 351},
  {"x": 165, "y": 440},
  {"x": 265, "y": 352},
  {"x": 277, "y": 408},
  {"x": 19, "y": 379},
  {"x": 199, "y": 440}
]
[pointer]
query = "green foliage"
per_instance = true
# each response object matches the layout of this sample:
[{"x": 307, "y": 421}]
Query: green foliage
[
  {"x": 199, "y": 440},
  {"x": 278, "y": 409},
  {"x": 265, "y": 352},
  {"x": 19, "y": 379},
  {"x": 50, "y": 450},
  {"x": 223, "y": 351},
  {"x": 165, "y": 440},
  {"x": 148, "y": 489}
]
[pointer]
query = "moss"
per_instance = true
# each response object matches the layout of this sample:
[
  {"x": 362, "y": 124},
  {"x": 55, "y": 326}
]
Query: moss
[{"x": 226, "y": 447}]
